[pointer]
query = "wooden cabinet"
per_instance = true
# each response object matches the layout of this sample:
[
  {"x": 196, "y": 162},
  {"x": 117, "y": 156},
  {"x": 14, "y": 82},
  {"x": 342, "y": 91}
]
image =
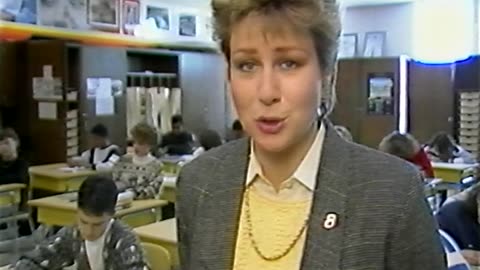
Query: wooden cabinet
[
  {"x": 429, "y": 99},
  {"x": 352, "y": 107}
]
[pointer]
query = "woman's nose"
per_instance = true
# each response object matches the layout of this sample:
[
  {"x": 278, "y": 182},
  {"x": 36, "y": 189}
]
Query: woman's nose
[{"x": 269, "y": 89}]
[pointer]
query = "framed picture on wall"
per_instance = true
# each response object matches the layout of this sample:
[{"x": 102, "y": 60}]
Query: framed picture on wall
[
  {"x": 374, "y": 44},
  {"x": 63, "y": 14},
  {"x": 187, "y": 25},
  {"x": 130, "y": 16},
  {"x": 160, "y": 13},
  {"x": 20, "y": 11},
  {"x": 104, "y": 14},
  {"x": 348, "y": 46}
]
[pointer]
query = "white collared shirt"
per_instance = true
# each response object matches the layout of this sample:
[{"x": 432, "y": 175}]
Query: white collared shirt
[{"x": 298, "y": 187}]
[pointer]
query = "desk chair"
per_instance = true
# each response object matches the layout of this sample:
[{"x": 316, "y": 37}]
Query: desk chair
[
  {"x": 454, "y": 257},
  {"x": 10, "y": 213},
  {"x": 157, "y": 256}
]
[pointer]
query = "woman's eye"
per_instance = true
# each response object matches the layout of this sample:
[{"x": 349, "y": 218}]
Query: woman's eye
[
  {"x": 246, "y": 67},
  {"x": 288, "y": 65}
]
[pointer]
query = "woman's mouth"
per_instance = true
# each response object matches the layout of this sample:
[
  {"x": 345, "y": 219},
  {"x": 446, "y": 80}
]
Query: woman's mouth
[{"x": 271, "y": 125}]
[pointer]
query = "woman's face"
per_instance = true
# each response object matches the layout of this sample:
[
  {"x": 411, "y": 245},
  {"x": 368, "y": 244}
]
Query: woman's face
[{"x": 275, "y": 80}]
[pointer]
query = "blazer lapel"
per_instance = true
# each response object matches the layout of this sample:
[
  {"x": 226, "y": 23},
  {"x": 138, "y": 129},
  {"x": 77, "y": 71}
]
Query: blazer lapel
[
  {"x": 323, "y": 244},
  {"x": 223, "y": 203}
]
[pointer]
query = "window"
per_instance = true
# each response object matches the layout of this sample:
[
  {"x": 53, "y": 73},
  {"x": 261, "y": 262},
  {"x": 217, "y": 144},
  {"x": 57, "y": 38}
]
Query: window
[{"x": 444, "y": 30}]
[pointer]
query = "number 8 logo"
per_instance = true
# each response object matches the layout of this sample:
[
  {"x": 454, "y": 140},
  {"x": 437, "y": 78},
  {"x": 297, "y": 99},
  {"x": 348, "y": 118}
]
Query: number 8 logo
[{"x": 330, "y": 221}]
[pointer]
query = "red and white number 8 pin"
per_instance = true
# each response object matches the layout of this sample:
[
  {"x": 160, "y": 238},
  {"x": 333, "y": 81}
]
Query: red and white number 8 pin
[{"x": 331, "y": 221}]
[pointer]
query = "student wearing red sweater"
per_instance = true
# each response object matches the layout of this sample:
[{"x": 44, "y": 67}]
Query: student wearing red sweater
[{"x": 407, "y": 147}]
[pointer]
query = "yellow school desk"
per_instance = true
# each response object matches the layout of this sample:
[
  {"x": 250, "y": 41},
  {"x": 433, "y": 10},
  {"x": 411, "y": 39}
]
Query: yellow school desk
[
  {"x": 11, "y": 194},
  {"x": 163, "y": 233},
  {"x": 451, "y": 172},
  {"x": 52, "y": 178},
  {"x": 58, "y": 211}
]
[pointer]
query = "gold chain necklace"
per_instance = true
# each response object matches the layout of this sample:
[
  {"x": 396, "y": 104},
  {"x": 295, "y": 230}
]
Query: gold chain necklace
[{"x": 255, "y": 244}]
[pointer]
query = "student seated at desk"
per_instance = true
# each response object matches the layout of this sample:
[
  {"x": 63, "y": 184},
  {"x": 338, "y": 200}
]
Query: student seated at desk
[
  {"x": 442, "y": 148},
  {"x": 405, "y": 146},
  {"x": 236, "y": 132},
  {"x": 178, "y": 142},
  {"x": 102, "y": 156},
  {"x": 13, "y": 169},
  {"x": 460, "y": 218},
  {"x": 140, "y": 172},
  {"x": 97, "y": 242},
  {"x": 208, "y": 139}
]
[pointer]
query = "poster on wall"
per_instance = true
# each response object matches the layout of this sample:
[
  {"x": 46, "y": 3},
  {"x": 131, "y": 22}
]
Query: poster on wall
[
  {"x": 104, "y": 14},
  {"x": 380, "y": 99},
  {"x": 64, "y": 14},
  {"x": 130, "y": 16}
]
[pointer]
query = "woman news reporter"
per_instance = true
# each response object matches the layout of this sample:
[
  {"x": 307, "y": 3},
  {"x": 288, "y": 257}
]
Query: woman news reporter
[{"x": 294, "y": 195}]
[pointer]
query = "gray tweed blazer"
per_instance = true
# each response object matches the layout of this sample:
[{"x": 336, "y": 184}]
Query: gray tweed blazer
[{"x": 384, "y": 220}]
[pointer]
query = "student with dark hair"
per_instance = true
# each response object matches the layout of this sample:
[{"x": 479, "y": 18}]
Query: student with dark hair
[
  {"x": 178, "y": 141},
  {"x": 238, "y": 128},
  {"x": 208, "y": 139},
  {"x": 442, "y": 148},
  {"x": 236, "y": 132},
  {"x": 102, "y": 155},
  {"x": 13, "y": 169},
  {"x": 460, "y": 218},
  {"x": 97, "y": 242}
]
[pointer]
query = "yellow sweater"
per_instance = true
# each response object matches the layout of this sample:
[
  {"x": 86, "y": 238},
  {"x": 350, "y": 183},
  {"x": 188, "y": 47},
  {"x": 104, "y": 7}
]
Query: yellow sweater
[{"x": 275, "y": 225}]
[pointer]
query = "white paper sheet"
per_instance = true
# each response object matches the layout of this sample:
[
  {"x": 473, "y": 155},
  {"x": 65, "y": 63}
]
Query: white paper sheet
[
  {"x": 104, "y": 87},
  {"x": 105, "y": 105},
  {"x": 47, "y": 110},
  {"x": 92, "y": 85},
  {"x": 99, "y": 87}
]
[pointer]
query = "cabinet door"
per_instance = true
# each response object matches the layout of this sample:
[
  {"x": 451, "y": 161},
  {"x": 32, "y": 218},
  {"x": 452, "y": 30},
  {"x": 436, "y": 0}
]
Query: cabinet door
[
  {"x": 202, "y": 79},
  {"x": 374, "y": 127},
  {"x": 103, "y": 62},
  {"x": 46, "y": 137},
  {"x": 348, "y": 111},
  {"x": 351, "y": 109},
  {"x": 432, "y": 99}
]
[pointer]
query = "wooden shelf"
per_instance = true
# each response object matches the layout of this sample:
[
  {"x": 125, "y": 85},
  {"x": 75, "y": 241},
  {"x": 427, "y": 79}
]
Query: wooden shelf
[{"x": 18, "y": 31}]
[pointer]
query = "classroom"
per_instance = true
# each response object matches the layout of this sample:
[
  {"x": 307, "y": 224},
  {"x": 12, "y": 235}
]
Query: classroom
[{"x": 240, "y": 134}]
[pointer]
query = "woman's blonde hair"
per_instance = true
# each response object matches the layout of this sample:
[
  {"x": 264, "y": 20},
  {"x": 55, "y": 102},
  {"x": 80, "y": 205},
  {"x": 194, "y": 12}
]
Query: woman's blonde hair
[{"x": 320, "y": 18}]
